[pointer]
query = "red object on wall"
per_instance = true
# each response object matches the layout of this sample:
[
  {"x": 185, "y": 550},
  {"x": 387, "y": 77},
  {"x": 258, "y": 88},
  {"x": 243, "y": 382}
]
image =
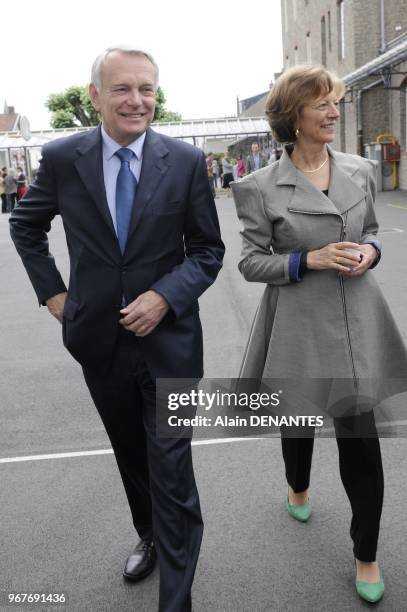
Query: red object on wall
[{"x": 391, "y": 152}]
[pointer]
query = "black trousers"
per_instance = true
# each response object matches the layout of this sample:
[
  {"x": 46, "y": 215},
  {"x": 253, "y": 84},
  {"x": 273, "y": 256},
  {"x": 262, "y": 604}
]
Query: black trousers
[
  {"x": 157, "y": 473},
  {"x": 11, "y": 201},
  {"x": 361, "y": 471}
]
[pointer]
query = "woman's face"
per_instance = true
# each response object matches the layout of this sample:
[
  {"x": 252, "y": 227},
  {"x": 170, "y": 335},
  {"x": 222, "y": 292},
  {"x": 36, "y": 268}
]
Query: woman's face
[{"x": 318, "y": 119}]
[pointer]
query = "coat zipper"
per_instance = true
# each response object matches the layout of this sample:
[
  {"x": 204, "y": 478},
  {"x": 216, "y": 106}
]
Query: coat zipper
[
  {"x": 345, "y": 315},
  {"x": 341, "y": 286}
]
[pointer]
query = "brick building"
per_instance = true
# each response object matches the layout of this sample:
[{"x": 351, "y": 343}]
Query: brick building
[
  {"x": 364, "y": 42},
  {"x": 9, "y": 119}
]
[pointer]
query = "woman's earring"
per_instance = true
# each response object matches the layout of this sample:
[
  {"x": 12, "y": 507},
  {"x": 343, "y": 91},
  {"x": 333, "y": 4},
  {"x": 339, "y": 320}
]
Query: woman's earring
[{"x": 297, "y": 131}]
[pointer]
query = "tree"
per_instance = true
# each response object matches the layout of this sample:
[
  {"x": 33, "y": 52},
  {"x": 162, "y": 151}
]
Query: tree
[
  {"x": 73, "y": 108},
  {"x": 161, "y": 113}
]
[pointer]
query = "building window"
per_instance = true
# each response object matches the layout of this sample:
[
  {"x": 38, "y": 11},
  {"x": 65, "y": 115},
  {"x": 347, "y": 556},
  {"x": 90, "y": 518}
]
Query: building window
[
  {"x": 295, "y": 55},
  {"x": 323, "y": 41},
  {"x": 329, "y": 32},
  {"x": 341, "y": 28},
  {"x": 308, "y": 48}
]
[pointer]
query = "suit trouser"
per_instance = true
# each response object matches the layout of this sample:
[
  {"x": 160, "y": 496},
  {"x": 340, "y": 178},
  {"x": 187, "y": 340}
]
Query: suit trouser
[
  {"x": 157, "y": 473},
  {"x": 11, "y": 201},
  {"x": 3, "y": 203},
  {"x": 361, "y": 470}
]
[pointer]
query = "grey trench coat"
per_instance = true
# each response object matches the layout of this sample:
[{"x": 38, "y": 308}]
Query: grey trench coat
[{"x": 325, "y": 326}]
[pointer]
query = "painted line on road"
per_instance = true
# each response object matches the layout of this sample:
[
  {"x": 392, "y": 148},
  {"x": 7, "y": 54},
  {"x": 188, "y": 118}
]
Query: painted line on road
[
  {"x": 391, "y": 230},
  {"x": 109, "y": 451},
  {"x": 397, "y": 206}
]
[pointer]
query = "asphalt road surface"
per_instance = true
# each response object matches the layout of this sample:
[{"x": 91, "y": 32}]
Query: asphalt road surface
[{"x": 65, "y": 526}]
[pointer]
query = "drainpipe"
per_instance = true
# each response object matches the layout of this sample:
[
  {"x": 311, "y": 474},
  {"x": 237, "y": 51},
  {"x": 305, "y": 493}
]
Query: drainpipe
[
  {"x": 359, "y": 122},
  {"x": 382, "y": 47},
  {"x": 359, "y": 114}
]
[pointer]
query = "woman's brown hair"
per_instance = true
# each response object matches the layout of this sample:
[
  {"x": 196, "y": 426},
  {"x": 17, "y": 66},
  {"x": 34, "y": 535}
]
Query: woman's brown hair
[{"x": 291, "y": 91}]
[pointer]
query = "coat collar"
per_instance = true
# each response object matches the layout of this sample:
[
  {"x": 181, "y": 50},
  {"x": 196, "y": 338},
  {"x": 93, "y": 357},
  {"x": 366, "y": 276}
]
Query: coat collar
[
  {"x": 344, "y": 192},
  {"x": 89, "y": 165}
]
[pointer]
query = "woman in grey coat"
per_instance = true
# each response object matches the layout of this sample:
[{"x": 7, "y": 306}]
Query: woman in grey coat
[{"x": 310, "y": 234}]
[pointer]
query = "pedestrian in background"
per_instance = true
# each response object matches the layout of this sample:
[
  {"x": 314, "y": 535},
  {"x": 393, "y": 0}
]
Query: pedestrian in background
[
  {"x": 310, "y": 234},
  {"x": 240, "y": 166},
  {"x": 3, "y": 196},
  {"x": 209, "y": 169},
  {"x": 215, "y": 170},
  {"x": 21, "y": 183},
  {"x": 227, "y": 171},
  {"x": 255, "y": 160},
  {"x": 273, "y": 156},
  {"x": 10, "y": 185}
]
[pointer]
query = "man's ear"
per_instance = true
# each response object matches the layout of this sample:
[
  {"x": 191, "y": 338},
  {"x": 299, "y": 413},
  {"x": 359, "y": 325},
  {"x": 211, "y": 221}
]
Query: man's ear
[{"x": 94, "y": 97}]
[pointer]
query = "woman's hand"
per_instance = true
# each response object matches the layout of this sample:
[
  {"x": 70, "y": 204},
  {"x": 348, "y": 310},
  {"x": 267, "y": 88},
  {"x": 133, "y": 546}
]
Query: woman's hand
[
  {"x": 335, "y": 256},
  {"x": 369, "y": 256}
]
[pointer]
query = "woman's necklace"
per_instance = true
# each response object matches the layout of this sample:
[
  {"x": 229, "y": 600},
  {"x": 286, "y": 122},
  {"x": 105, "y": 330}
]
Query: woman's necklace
[{"x": 316, "y": 169}]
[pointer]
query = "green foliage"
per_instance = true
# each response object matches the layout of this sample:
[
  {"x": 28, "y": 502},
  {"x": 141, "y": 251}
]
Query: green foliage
[
  {"x": 62, "y": 118},
  {"x": 73, "y": 108},
  {"x": 161, "y": 113}
]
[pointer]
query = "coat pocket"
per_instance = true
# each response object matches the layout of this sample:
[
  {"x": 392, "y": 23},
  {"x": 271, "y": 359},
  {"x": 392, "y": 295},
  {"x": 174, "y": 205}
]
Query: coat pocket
[
  {"x": 70, "y": 309},
  {"x": 168, "y": 208}
]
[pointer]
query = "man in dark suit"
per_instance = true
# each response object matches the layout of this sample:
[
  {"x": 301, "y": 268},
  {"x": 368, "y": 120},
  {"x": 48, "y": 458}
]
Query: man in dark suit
[
  {"x": 144, "y": 244},
  {"x": 255, "y": 160}
]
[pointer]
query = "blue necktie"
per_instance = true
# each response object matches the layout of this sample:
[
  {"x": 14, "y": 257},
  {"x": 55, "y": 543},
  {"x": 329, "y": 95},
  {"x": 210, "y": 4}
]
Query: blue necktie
[{"x": 125, "y": 191}]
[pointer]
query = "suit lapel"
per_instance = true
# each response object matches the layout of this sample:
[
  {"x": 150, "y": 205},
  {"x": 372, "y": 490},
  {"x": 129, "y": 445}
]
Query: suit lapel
[
  {"x": 306, "y": 198},
  {"x": 90, "y": 169},
  {"x": 153, "y": 170},
  {"x": 343, "y": 192}
]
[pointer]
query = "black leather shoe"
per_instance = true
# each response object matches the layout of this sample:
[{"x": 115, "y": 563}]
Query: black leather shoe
[{"x": 141, "y": 562}]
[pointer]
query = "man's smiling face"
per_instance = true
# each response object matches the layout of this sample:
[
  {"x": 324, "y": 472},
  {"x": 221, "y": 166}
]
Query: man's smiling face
[{"x": 126, "y": 99}]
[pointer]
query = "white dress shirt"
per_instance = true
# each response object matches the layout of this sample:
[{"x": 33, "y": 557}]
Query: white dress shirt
[{"x": 111, "y": 166}]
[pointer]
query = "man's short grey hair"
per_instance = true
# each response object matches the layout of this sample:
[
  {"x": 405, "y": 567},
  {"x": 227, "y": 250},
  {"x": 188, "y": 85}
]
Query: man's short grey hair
[{"x": 96, "y": 74}]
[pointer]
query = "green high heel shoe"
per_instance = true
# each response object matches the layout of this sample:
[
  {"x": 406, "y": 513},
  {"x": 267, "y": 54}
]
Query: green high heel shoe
[
  {"x": 370, "y": 591},
  {"x": 299, "y": 512}
]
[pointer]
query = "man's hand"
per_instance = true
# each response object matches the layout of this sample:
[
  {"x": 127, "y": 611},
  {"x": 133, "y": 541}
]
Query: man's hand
[
  {"x": 369, "y": 256},
  {"x": 335, "y": 256},
  {"x": 55, "y": 305},
  {"x": 144, "y": 314}
]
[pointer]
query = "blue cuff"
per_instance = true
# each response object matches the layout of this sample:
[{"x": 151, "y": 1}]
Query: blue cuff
[
  {"x": 378, "y": 246},
  {"x": 294, "y": 267}
]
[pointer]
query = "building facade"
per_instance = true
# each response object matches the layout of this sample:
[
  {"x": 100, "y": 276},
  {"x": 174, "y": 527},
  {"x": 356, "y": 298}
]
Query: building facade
[{"x": 365, "y": 43}]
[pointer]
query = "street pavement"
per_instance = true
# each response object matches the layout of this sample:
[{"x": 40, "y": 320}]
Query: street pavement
[{"x": 65, "y": 525}]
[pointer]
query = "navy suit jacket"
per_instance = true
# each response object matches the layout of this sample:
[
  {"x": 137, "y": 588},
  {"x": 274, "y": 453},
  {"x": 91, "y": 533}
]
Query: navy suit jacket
[{"x": 174, "y": 247}]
